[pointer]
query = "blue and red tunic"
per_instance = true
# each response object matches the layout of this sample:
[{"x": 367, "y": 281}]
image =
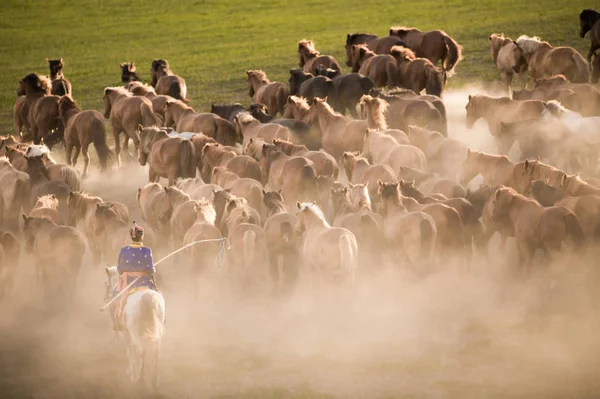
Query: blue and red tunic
[{"x": 137, "y": 258}]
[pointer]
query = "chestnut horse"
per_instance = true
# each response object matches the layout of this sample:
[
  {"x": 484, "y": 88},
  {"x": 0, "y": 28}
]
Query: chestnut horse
[
  {"x": 379, "y": 45},
  {"x": 418, "y": 74},
  {"x": 310, "y": 58}
]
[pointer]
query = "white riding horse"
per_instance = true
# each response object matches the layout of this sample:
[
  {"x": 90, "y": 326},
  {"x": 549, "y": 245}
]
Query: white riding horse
[{"x": 143, "y": 322}]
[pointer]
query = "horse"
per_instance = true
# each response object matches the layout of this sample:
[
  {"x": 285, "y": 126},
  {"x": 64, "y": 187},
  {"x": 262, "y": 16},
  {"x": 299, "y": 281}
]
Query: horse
[
  {"x": 527, "y": 171},
  {"x": 349, "y": 89},
  {"x": 20, "y": 116},
  {"x": 301, "y": 129},
  {"x": 60, "y": 85},
  {"x": 536, "y": 226},
  {"x": 503, "y": 109},
  {"x": 359, "y": 170},
  {"x": 271, "y": 94},
  {"x": 128, "y": 74},
  {"x": 330, "y": 253},
  {"x": 185, "y": 119},
  {"x": 310, "y": 58},
  {"x": 585, "y": 207},
  {"x": 508, "y": 61},
  {"x": 165, "y": 82},
  {"x": 545, "y": 61},
  {"x": 83, "y": 128},
  {"x": 126, "y": 112},
  {"x": 250, "y": 128},
  {"x": 444, "y": 155},
  {"x": 325, "y": 164},
  {"x": 380, "y": 68},
  {"x": 155, "y": 208},
  {"x": 410, "y": 236},
  {"x": 433, "y": 185},
  {"x": 42, "y": 109},
  {"x": 143, "y": 321},
  {"x": 214, "y": 155},
  {"x": 495, "y": 169},
  {"x": 595, "y": 77},
  {"x": 15, "y": 193},
  {"x": 418, "y": 74},
  {"x": 306, "y": 85},
  {"x": 10, "y": 250},
  {"x": 434, "y": 45},
  {"x": 379, "y": 45},
  {"x": 588, "y": 95},
  {"x": 16, "y": 157},
  {"x": 227, "y": 111},
  {"x": 47, "y": 206},
  {"x": 586, "y": 128},
  {"x": 159, "y": 101},
  {"x": 168, "y": 157},
  {"x": 379, "y": 144},
  {"x": 58, "y": 254},
  {"x": 588, "y": 22},
  {"x": 52, "y": 170}
]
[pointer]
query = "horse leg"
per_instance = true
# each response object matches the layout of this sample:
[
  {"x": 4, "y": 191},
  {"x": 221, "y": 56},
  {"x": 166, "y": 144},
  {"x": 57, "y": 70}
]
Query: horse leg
[
  {"x": 76, "y": 155},
  {"x": 507, "y": 80},
  {"x": 69, "y": 153},
  {"x": 86, "y": 158},
  {"x": 152, "y": 177},
  {"x": 116, "y": 133}
]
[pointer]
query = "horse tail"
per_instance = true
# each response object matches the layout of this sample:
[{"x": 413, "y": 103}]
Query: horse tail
[
  {"x": 178, "y": 92},
  {"x": 428, "y": 237},
  {"x": 347, "y": 256},
  {"x": 249, "y": 241},
  {"x": 282, "y": 95},
  {"x": 581, "y": 70},
  {"x": 99, "y": 139},
  {"x": 434, "y": 80},
  {"x": 454, "y": 54},
  {"x": 574, "y": 230},
  {"x": 151, "y": 327},
  {"x": 71, "y": 178},
  {"x": 149, "y": 118},
  {"x": 187, "y": 159}
]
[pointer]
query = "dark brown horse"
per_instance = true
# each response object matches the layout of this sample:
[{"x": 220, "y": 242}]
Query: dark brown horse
[
  {"x": 379, "y": 45},
  {"x": 128, "y": 74},
  {"x": 588, "y": 21},
  {"x": 310, "y": 58},
  {"x": 165, "y": 82},
  {"x": 60, "y": 85},
  {"x": 307, "y": 85},
  {"x": 227, "y": 111}
]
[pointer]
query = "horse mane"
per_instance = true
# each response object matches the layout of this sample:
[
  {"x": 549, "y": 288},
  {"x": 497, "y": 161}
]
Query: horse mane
[
  {"x": 555, "y": 106},
  {"x": 325, "y": 104},
  {"x": 314, "y": 208},
  {"x": 139, "y": 88},
  {"x": 402, "y": 52},
  {"x": 245, "y": 117},
  {"x": 351, "y": 36},
  {"x": 259, "y": 74},
  {"x": 530, "y": 44},
  {"x": 39, "y": 83},
  {"x": 378, "y": 107},
  {"x": 301, "y": 102},
  {"x": 402, "y": 29},
  {"x": 47, "y": 201},
  {"x": 67, "y": 101},
  {"x": 308, "y": 45},
  {"x": 119, "y": 89}
]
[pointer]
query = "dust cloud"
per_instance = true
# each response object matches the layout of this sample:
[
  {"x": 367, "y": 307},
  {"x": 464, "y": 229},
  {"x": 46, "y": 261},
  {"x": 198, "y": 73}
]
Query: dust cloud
[{"x": 490, "y": 332}]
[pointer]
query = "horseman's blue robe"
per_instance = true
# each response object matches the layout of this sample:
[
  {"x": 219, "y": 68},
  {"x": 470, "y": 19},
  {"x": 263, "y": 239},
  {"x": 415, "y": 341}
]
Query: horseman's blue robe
[{"x": 137, "y": 258}]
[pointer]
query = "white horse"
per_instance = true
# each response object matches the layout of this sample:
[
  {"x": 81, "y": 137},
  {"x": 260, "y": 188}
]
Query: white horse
[{"x": 143, "y": 321}]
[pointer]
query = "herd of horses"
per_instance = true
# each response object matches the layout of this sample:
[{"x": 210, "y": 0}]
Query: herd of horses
[{"x": 295, "y": 184}]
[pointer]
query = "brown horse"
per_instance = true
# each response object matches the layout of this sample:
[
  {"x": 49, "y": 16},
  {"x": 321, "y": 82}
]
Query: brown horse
[
  {"x": 378, "y": 146},
  {"x": 595, "y": 77},
  {"x": 526, "y": 172},
  {"x": 185, "y": 119},
  {"x": 586, "y": 207},
  {"x": 588, "y": 21},
  {"x": 418, "y": 74},
  {"x": 339, "y": 133},
  {"x": 60, "y": 85},
  {"x": 128, "y": 74},
  {"x": 165, "y": 82},
  {"x": 325, "y": 165},
  {"x": 374, "y": 111},
  {"x": 306, "y": 85},
  {"x": 184, "y": 213},
  {"x": 250, "y": 128},
  {"x": 214, "y": 155},
  {"x": 503, "y": 109},
  {"x": 159, "y": 101},
  {"x": 310, "y": 58},
  {"x": 20, "y": 116},
  {"x": 380, "y": 68},
  {"x": 47, "y": 206},
  {"x": 380, "y": 45},
  {"x": 42, "y": 109},
  {"x": 53, "y": 171},
  {"x": 545, "y": 61},
  {"x": 358, "y": 170},
  {"x": 507, "y": 60},
  {"x": 10, "y": 247},
  {"x": 281, "y": 241},
  {"x": 433, "y": 185},
  {"x": 83, "y": 128},
  {"x": 495, "y": 169},
  {"x": 15, "y": 193},
  {"x": 58, "y": 254},
  {"x": 155, "y": 208},
  {"x": 536, "y": 226},
  {"x": 126, "y": 112},
  {"x": 168, "y": 157},
  {"x": 444, "y": 155},
  {"x": 587, "y": 94},
  {"x": 272, "y": 94},
  {"x": 16, "y": 157},
  {"x": 410, "y": 236}
]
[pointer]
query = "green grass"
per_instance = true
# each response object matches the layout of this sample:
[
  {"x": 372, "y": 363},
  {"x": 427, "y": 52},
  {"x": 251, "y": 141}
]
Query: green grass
[{"x": 211, "y": 43}]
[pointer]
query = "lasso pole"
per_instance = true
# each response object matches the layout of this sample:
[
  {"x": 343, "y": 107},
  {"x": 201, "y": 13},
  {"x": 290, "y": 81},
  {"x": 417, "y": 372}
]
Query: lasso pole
[{"x": 223, "y": 241}]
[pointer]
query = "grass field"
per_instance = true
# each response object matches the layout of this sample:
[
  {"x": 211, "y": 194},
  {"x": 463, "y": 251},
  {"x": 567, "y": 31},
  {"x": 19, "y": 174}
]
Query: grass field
[{"x": 212, "y": 43}]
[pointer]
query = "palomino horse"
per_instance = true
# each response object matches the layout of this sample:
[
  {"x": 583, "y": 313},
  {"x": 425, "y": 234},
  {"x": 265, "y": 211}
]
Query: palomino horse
[
  {"x": 60, "y": 85},
  {"x": 47, "y": 207},
  {"x": 143, "y": 321},
  {"x": 165, "y": 82},
  {"x": 41, "y": 109},
  {"x": 58, "y": 254},
  {"x": 14, "y": 194},
  {"x": 588, "y": 21},
  {"x": 128, "y": 74},
  {"x": 185, "y": 119},
  {"x": 159, "y": 101},
  {"x": 536, "y": 226},
  {"x": 418, "y": 74},
  {"x": 545, "y": 61},
  {"x": 380, "y": 68},
  {"x": 281, "y": 241},
  {"x": 379, "y": 45},
  {"x": 310, "y": 58},
  {"x": 83, "y": 128},
  {"x": 126, "y": 112},
  {"x": 434, "y": 45},
  {"x": 330, "y": 253},
  {"x": 507, "y": 60},
  {"x": 168, "y": 157},
  {"x": 503, "y": 109},
  {"x": 272, "y": 94}
]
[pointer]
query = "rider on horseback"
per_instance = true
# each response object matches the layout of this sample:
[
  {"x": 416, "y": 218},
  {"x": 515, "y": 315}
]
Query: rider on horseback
[{"x": 135, "y": 261}]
